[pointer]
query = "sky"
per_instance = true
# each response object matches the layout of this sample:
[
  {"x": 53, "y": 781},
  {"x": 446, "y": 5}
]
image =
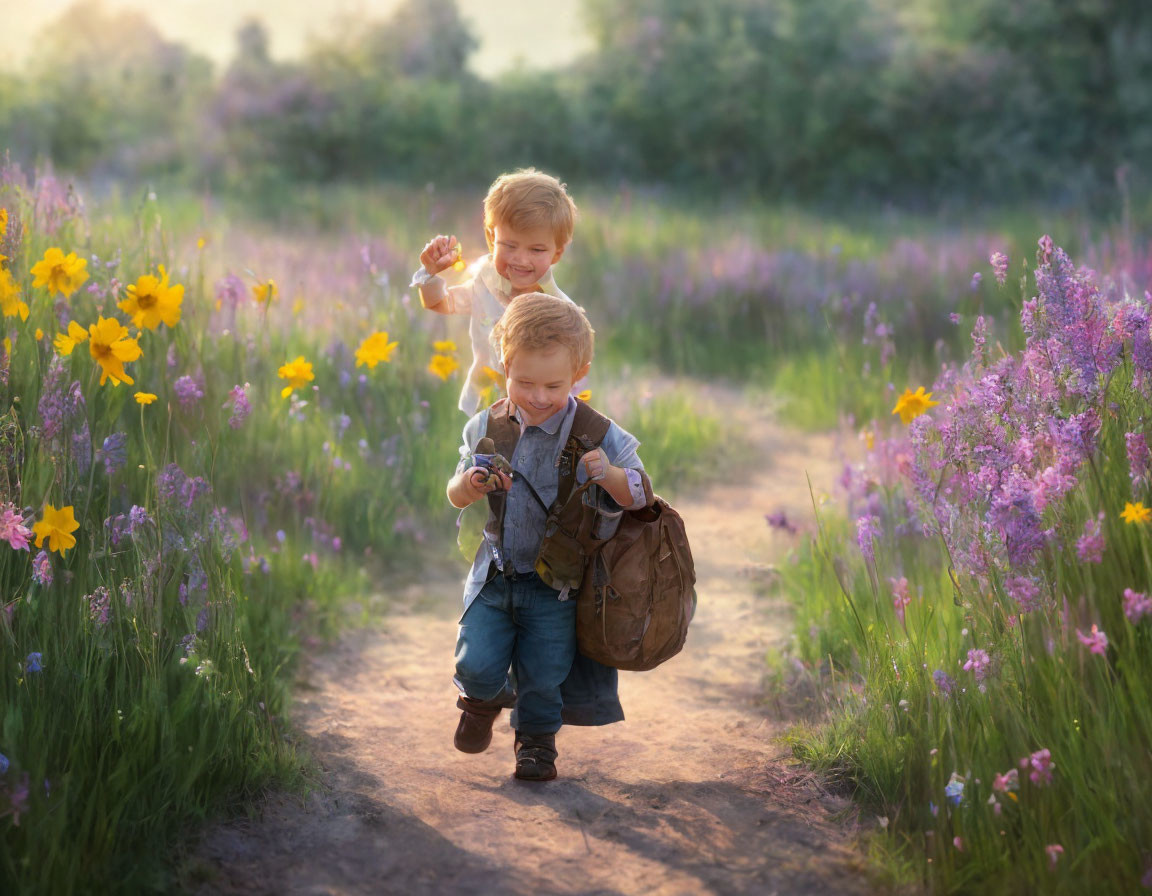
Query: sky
[{"x": 540, "y": 34}]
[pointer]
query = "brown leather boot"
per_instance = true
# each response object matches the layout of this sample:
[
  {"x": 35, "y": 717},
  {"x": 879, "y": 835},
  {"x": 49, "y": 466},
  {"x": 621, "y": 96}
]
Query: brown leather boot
[
  {"x": 535, "y": 757},
  {"x": 474, "y": 733}
]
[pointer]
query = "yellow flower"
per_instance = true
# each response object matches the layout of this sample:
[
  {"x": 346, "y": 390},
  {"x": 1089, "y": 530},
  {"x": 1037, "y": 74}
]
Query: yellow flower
[
  {"x": 443, "y": 366},
  {"x": 3, "y": 221},
  {"x": 57, "y": 526},
  {"x": 65, "y": 342},
  {"x": 1136, "y": 513},
  {"x": 911, "y": 404},
  {"x": 61, "y": 273},
  {"x": 200, "y": 243},
  {"x": 374, "y": 349},
  {"x": 298, "y": 373},
  {"x": 444, "y": 347},
  {"x": 110, "y": 347},
  {"x": 10, "y": 302},
  {"x": 151, "y": 301},
  {"x": 264, "y": 292},
  {"x": 297, "y": 307},
  {"x": 39, "y": 334},
  {"x": 586, "y": 395},
  {"x": 145, "y": 398}
]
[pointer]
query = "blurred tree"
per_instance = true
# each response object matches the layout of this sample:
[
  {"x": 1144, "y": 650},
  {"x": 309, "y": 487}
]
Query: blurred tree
[{"x": 112, "y": 90}]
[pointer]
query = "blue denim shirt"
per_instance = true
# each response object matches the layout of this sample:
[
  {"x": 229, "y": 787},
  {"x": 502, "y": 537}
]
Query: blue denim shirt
[{"x": 536, "y": 458}]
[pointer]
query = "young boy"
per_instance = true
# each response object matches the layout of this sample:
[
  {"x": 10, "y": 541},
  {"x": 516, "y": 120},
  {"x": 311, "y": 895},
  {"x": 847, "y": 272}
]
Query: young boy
[
  {"x": 511, "y": 617},
  {"x": 528, "y": 223}
]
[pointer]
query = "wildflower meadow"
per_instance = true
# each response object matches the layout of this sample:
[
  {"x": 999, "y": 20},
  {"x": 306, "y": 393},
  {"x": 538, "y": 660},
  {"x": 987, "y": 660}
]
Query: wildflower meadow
[{"x": 980, "y": 613}]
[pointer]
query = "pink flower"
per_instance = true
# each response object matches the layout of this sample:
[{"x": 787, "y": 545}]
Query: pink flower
[
  {"x": 1136, "y": 605},
  {"x": 999, "y": 262},
  {"x": 978, "y": 663},
  {"x": 12, "y": 528},
  {"x": 1042, "y": 765},
  {"x": 1054, "y": 850},
  {"x": 900, "y": 596},
  {"x": 1006, "y": 782},
  {"x": 1090, "y": 545},
  {"x": 1096, "y": 641},
  {"x": 958, "y": 842}
]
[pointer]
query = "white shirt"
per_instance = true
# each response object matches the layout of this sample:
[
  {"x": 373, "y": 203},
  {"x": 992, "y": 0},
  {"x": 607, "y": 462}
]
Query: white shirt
[{"x": 484, "y": 297}]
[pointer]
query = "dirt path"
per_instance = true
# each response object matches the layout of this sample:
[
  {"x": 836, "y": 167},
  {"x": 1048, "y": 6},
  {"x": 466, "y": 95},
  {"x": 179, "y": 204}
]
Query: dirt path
[{"x": 690, "y": 795}]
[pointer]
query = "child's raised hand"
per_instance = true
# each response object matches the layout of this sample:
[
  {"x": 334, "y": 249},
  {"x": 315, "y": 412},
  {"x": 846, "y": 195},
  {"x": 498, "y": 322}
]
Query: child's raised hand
[
  {"x": 595, "y": 464},
  {"x": 440, "y": 253}
]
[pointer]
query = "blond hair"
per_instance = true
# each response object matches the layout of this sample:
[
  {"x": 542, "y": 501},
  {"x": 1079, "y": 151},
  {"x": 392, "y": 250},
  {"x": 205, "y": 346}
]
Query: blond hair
[
  {"x": 538, "y": 321},
  {"x": 527, "y": 199}
]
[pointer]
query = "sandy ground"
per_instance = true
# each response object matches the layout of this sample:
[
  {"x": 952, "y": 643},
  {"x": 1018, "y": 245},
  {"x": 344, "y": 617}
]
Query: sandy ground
[{"x": 692, "y": 794}]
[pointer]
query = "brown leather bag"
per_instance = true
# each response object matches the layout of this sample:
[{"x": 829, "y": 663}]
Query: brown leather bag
[
  {"x": 636, "y": 589},
  {"x": 638, "y": 593}
]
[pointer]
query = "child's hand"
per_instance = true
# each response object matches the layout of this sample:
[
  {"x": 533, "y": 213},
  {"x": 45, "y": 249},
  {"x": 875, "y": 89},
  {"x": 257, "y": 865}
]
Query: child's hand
[
  {"x": 596, "y": 465},
  {"x": 480, "y": 481},
  {"x": 440, "y": 253}
]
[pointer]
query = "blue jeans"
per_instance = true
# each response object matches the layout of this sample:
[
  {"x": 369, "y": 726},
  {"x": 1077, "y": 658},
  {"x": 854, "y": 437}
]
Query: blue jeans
[{"x": 520, "y": 624}]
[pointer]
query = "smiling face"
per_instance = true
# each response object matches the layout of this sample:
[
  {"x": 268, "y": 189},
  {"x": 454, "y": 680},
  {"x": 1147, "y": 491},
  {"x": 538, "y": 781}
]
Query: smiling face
[
  {"x": 539, "y": 380},
  {"x": 524, "y": 256}
]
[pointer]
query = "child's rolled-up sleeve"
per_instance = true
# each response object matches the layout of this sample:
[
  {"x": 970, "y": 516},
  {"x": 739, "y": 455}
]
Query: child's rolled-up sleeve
[{"x": 620, "y": 447}]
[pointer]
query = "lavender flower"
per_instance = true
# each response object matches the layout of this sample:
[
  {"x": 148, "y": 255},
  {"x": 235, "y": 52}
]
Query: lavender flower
[
  {"x": 42, "y": 569},
  {"x": 238, "y": 403},
  {"x": 34, "y": 663},
  {"x": 1138, "y": 457},
  {"x": 945, "y": 684},
  {"x": 1136, "y": 605},
  {"x": 188, "y": 392},
  {"x": 1025, "y": 592},
  {"x": 100, "y": 606},
  {"x": 999, "y": 262},
  {"x": 113, "y": 453},
  {"x": 1090, "y": 545},
  {"x": 979, "y": 664},
  {"x": 867, "y": 531}
]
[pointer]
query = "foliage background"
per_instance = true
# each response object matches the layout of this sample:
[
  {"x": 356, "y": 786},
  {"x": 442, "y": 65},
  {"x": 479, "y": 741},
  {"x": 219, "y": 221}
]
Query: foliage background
[{"x": 912, "y": 100}]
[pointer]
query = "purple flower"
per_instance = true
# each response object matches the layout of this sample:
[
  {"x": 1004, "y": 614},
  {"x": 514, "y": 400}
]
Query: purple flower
[
  {"x": 1025, "y": 592},
  {"x": 1090, "y": 545},
  {"x": 779, "y": 520},
  {"x": 954, "y": 789},
  {"x": 1042, "y": 766},
  {"x": 974, "y": 284},
  {"x": 35, "y": 662},
  {"x": 137, "y": 517},
  {"x": 1096, "y": 641},
  {"x": 188, "y": 392},
  {"x": 900, "y": 596},
  {"x": 999, "y": 262},
  {"x": 945, "y": 684},
  {"x": 238, "y": 403},
  {"x": 3, "y": 764},
  {"x": 113, "y": 453},
  {"x": 979, "y": 664},
  {"x": 54, "y": 407},
  {"x": 1137, "y": 605},
  {"x": 100, "y": 606},
  {"x": 42, "y": 569},
  {"x": 867, "y": 531},
  {"x": 1138, "y": 457},
  {"x": 231, "y": 292}
]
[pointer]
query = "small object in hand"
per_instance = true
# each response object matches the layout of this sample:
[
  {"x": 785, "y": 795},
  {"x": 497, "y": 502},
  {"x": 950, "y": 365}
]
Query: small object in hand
[{"x": 487, "y": 459}]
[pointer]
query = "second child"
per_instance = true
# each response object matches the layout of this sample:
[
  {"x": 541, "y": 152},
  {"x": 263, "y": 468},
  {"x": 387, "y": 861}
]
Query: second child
[{"x": 528, "y": 223}]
